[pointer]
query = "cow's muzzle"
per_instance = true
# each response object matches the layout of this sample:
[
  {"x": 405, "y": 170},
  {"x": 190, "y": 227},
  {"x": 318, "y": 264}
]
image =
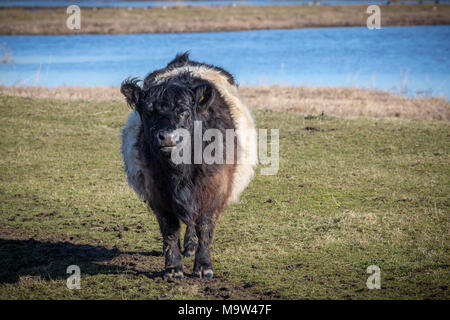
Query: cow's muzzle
[{"x": 168, "y": 140}]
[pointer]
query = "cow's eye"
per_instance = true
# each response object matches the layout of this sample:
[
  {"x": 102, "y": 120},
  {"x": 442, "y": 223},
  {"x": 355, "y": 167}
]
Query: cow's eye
[{"x": 183, "y": 115}]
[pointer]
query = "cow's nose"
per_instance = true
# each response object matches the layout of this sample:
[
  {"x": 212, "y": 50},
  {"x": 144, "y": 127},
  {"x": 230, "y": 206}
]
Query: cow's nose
[{"x": 168, "y": 138}]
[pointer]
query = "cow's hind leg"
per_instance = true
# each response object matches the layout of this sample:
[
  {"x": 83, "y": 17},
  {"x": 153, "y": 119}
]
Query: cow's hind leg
[
  {"x": 170, "y": 229},
  {"x": 190, "y": 240},
  {"x": 202, "y": 264}
]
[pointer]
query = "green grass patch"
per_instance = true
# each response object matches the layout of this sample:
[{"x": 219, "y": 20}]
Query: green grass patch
[{"x": 348, "y": 194}]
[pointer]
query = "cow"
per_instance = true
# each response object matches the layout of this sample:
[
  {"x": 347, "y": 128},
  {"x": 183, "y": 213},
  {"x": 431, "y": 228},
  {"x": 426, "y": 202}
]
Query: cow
[{"x": 168, "y": 100}]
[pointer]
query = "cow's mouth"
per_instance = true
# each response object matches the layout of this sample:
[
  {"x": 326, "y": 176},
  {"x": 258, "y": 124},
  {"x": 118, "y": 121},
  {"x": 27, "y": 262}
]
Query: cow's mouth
[{"x": 167, "y": 150}]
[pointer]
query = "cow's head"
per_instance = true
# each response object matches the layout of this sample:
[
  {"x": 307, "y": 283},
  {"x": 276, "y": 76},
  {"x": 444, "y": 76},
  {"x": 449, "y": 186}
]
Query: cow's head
[{"x": 168, "y": 105}]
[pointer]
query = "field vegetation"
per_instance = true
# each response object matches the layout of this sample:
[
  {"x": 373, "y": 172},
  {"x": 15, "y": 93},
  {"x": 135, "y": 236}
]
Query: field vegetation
[{"x": 350, "y": 192}]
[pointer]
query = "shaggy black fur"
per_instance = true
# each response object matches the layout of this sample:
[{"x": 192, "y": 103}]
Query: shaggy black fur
[{"x": 193, "y": 193}]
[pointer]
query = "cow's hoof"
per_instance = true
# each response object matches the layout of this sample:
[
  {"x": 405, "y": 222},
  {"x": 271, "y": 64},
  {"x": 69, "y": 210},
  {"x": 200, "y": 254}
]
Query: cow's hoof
[
  {"x": 207, "y": 274},
  {"x": 167, "y": 275},
  {"x": 171, "y": 274},
  {"x": 188, "y": 253},
  {"x": 179, "y": 275}
]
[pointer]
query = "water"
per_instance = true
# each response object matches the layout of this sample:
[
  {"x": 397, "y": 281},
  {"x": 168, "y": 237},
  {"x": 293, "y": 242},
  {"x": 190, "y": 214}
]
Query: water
[
  {"x": 112, "y": 3},
  {"x": 411, "y": 60}
]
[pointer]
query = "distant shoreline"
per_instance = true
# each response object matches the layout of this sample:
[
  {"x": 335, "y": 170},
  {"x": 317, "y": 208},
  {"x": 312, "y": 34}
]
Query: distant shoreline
[{"x": 180, "y": 19}]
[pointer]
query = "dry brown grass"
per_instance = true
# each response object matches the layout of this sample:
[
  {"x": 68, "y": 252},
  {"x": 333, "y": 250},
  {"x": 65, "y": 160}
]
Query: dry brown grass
[
  {"x": 205, "y": 19},
  {"x": 65, "y": 93},
  {"x": 345, "y": 102},
  {"x": 341, "y": 102}
]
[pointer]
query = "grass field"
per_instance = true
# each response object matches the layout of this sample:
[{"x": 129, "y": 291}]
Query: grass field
[
  {"x": 17, "y": 20},
  {"x": 350, "y": 193}
]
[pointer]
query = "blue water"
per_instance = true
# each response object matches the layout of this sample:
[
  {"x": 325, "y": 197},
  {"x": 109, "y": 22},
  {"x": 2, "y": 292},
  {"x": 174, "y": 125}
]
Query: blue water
[
  {"x": 112, "y": 3},
  {"x": 406, "y": 60}
]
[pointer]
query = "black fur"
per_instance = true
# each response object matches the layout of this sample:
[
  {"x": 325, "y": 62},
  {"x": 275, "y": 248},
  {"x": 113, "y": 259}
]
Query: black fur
[{"x": 193, "y": 193}]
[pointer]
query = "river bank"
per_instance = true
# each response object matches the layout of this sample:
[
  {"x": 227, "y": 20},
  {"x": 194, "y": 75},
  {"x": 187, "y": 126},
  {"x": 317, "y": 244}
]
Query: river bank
[
  {"x": 178, "y": 19},
  {"x": 310, "y": 101}
]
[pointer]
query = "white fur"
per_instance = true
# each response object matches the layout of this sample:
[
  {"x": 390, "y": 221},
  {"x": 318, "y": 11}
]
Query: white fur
[
  {"x": 130, "y": 154},
  {"x": 243, "y": 121}
]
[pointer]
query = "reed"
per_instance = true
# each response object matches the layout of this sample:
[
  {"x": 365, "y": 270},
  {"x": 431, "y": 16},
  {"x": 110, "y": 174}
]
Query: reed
[{"x": 25, "y": 20}]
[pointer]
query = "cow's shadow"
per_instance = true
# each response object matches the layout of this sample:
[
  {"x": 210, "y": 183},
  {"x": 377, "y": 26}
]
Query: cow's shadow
[{"x": 49, "y": 260}]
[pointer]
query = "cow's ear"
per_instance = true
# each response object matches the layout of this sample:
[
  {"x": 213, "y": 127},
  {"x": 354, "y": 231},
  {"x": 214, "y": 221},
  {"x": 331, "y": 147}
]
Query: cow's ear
[
  {"x": 204, "y": 96},
  {"x": 131, "y": 90}
]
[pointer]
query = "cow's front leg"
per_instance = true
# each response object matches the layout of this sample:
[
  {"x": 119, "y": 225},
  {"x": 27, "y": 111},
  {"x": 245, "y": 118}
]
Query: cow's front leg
[
  {"x": 202, "y": 265},
  {"x": 190, "y": 240},
  {"x": 170, "y": 229}
]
